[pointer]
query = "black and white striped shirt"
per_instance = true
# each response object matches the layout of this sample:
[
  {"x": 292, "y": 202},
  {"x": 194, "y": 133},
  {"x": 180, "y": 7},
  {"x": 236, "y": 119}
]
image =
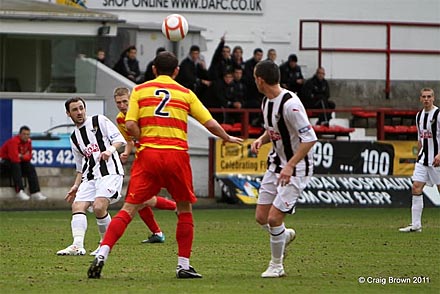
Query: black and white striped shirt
[
  {"x": 287, "y": 125},
  {"x": 88, "y": 141},
  {"x": 428, "y": 130}
]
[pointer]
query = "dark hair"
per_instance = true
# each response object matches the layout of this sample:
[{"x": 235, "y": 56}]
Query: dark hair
[
  {"x": 72, "y": 100},
  {"x": 237, "y": 48},
  {"x": 293, "y": 57},
  {"x": 165, "y": 63},
  {"x": 24, "y": 128},
  {"x": 194, "y": 48},
  {"x": 160, "y": 49},
  {"x": 268, "y": 71},
  {"x": 258, "y": 50}
]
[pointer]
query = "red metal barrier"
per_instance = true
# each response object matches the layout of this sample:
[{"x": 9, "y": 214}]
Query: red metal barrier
[{"x": 387, "y": 50}]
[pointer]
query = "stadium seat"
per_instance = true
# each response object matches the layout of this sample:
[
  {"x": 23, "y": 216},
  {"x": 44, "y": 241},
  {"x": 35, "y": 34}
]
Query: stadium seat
[
  {"x": 332, "y": 131},
  {"x": 359, "y": 114}
]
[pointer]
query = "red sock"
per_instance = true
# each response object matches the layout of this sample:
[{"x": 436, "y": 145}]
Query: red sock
[
  {"x": 147, "y": 216},
  {"x": 116, "y": 228},
  {"x": 185, "y": 234},
  {"x": 165, "y": 204}
]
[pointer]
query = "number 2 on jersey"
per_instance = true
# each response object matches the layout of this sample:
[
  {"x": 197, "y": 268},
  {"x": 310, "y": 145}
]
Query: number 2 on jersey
[{"x": 165, "y": 94}]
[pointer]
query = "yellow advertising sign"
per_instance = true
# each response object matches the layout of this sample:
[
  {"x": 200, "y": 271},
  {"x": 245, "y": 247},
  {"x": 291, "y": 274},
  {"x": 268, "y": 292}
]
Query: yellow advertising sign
[
  {"x": 73, "y": 3},
  {"x": 405, "y": 155},
  {"x": 239, "y": 159}
]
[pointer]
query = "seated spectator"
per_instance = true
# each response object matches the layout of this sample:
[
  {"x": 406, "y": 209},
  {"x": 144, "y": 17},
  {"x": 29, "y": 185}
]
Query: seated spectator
[
  {"x": 221, "y": 95},
  {"x": 221, "y": 61},
  {"x": 272, "y": 55},
  {"x": 193, "y": 74},
  {"x": 240, "y": 90},
  {"x": 149, "y": 70},
  {"x": 128, "y": 65},
  {"x": 316, "y": 94},
  {"x": 291, "y": 76},
  {"x": 16, "y": 155},
  {"x": 100, "y": 56}
]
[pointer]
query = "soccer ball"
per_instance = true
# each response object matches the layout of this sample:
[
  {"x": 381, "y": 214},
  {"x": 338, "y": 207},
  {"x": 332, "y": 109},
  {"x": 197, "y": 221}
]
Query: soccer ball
[{"x": 175, "y": 27}]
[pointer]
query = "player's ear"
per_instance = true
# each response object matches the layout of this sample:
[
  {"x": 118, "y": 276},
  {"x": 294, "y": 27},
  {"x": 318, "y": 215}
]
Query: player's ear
[
  {"x": 176, "y": 72},
  {"x": 154, "y": 71}
]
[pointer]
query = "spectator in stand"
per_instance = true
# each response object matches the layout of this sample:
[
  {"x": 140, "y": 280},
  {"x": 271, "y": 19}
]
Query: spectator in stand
[
  {"x": 221, "y": 95},
  {"x": 128, "y": 65},
  {"x": 272, "y": 55},
  {"x": 316, "y": 95},
  {"x": 221, "y": 61},
  {"x": 16, "y": 155},
  {"x": 100, "y": 56},
  {"x": 254, "y": 97},
  {"x": 237, "y": 57},
  {"x": 291, "y": 76},
  {"x": 149, "y": 75},
  {"x": 193, "y": 74},
  {"x": 239, "y": 85}
]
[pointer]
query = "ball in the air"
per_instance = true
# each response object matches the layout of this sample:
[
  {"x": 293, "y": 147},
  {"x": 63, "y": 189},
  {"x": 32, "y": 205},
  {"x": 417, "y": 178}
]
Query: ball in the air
[{"x": 175, "y": 27}]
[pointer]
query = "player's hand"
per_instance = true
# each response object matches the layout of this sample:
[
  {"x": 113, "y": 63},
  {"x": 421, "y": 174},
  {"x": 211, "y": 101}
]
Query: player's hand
[
  {"x": 255, "y": 146},
  {"x": 105, "y": 155},
  {"x": 70, "y": 196},
  {"x": 232, "y": 139},
  {"x": 285, "y": 175},
  {"x": 124, "y": 157},
  {"x": 436, "y": 160}
]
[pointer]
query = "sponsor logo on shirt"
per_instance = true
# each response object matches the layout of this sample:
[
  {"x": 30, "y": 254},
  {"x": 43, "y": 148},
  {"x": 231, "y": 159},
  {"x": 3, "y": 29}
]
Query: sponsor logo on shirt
[{"x": 304, "y": 129}]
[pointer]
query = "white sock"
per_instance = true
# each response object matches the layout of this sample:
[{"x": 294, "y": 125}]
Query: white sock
[
  {"x": 79, "y": 228},
  {"x": 103, "y": 224},
  {"x": 104, "y": 251},
  {"x": 160, "y": 234},
  {"x": 265, "y": 227},
  {"x": 277, "y": 243},
  {"x": 183, "y": 262},
  {"x": 416, "y": 211}
]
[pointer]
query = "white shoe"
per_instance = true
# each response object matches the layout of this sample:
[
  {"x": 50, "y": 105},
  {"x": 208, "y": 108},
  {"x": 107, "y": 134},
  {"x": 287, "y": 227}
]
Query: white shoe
[
  {"x": 411, "y": 229},
  {"x": 93, "y": 253},
  {"x": 22, "y": 195},
  {"x": 72, "y": 250},
  {"x": 290, "y": 236},
  {"x": 38, "y": 196},
  {"x": 274, "y": 271}
]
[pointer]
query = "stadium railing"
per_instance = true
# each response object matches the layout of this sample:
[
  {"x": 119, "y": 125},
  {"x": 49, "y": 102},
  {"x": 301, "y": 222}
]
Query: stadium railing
[{"x": 390, "y": 122}]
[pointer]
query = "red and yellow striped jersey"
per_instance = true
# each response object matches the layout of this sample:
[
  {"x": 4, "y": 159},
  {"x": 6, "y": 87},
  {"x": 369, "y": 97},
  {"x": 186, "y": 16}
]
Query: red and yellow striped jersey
[
  {"x": 161, "y": 108},
  {"x": 120, "y": 123}
]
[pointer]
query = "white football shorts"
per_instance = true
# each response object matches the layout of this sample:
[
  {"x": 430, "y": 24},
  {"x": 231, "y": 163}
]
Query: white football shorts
[
  {"x": 426, "y": 174},
  {"x": 108, "y": 186},
  {"x": 284, "y": 198}
]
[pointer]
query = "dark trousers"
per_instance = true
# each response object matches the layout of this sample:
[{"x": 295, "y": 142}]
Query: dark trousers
[
  {"x": 325, "y": 116},
  {"x": 20, "y": 170}
]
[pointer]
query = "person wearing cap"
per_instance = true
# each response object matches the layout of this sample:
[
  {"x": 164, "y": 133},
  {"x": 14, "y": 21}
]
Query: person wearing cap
[{"x": 292, "y": 78}]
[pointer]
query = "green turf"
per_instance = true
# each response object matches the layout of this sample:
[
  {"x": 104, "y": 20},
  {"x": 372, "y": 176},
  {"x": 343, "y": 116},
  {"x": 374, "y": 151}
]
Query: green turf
[{"x": 334, "y": 247}]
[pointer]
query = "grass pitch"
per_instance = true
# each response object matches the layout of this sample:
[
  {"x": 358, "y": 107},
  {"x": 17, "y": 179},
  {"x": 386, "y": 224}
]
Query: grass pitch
[{"x": 334, "y": 249}]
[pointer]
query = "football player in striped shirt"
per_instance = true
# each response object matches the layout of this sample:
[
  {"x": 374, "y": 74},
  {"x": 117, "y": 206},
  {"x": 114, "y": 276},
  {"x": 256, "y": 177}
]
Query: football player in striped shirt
[
  {"x": 427, "y": 167},
  {"x": 157, "y": 117},
  {"x": 121, "y": 96},
  {"x": 290, "y": 161},
  {"x": 99, "y": 177}
]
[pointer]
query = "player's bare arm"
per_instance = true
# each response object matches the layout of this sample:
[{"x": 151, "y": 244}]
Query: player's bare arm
[
  {"x": 436, "y": 160},
  {"x": 287, "y": 171},
  {"x": 108, "y": 153},
  {"x": 263, "y": 139},
  {"x": 133, "y": 129},
  {"x": 127, "y": 151},
  {"x": 70, "y": 196},
  {"x": 214, "y": 127}
]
